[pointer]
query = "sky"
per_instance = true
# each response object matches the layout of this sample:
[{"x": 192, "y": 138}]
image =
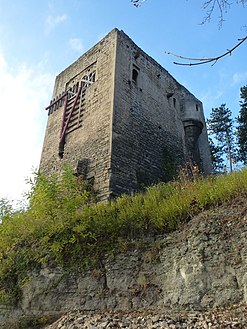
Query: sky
[{"x": 40, "y": 38}]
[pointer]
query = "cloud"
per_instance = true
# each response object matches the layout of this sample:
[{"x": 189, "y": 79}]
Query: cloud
[
  {"x": 76, "y": 44},
  {"x": 24, "y": 92},
  {"x": 211, "y": 99},
  {"x": 53, "y": 21},
  {"x": 212, "y": 96},
  {"x": 239, "y": 77}
]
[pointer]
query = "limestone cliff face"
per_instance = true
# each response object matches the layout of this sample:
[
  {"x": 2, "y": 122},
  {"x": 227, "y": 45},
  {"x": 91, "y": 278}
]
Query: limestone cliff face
[{"x": 202, "y": 266}]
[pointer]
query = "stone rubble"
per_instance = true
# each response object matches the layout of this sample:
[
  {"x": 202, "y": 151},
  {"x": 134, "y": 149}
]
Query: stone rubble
[{"x": 232, "y": 317}]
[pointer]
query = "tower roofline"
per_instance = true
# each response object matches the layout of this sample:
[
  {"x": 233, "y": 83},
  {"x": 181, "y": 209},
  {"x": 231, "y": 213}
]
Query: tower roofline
[{"x": 117, "y": 31}]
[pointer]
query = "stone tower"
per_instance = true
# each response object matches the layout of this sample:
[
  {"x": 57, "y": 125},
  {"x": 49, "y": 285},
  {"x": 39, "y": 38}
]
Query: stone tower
[{"x": 120, "y": 119}]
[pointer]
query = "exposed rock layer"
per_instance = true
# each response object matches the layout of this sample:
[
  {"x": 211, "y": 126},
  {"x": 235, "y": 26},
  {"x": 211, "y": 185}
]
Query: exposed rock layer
[{"x": 200, "y": 267}]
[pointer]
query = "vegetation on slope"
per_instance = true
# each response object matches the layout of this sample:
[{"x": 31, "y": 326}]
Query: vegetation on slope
[{"x": 62, "y": 227}]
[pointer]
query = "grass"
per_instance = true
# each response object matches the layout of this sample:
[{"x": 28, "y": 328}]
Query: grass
[{"x": 62, "y": 227}]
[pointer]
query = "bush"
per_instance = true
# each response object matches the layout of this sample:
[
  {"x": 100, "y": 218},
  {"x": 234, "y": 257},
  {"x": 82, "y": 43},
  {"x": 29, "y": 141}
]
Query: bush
[{"x": 62, "y": 227}]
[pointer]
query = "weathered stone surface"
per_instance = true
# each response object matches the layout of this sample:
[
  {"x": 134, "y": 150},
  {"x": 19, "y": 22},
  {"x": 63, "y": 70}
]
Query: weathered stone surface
[
  {"x": 236, "y": 317},
  {"x": 203, "y": 266},
  {"x": 126, "y": 122}
]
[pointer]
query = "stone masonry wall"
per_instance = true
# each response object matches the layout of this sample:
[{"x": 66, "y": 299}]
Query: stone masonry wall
[
  {"x": 148, "y": 120},
  {"x": 130, "y": 123},
  {"x": 91, "y": 143}
]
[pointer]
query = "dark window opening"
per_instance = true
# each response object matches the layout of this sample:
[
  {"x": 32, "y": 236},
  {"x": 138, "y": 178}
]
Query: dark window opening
[
  {"x": 92, "y": 76},
  {"x": 61, "y": 149},
  {"x": 135, "y": 75},
  {"x": 84, "y": 83},
  {"x": 169, "y": 95},
  {"x": 174, "y": 102},
  {"x": 197, "y": 107},
  {"x": 87, "y": 80}
]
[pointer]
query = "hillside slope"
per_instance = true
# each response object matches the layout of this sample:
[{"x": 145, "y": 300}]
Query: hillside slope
[{"x": 200, "y": 267}]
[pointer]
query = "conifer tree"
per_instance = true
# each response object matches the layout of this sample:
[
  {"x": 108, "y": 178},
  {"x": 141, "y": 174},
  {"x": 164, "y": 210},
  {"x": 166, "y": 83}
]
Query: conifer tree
[
  {"x": 217, "y": 156},
  {"x": 242, "y": 126},
  {"x": 220, "y": 126}
]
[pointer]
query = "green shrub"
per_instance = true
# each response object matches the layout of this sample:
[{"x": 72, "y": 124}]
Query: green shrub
[{"x": 62, "y": 227}]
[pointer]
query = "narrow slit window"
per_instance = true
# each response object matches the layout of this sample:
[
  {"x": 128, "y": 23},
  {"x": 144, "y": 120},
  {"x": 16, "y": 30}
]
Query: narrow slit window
[
  {"x": 135, "y": 75},
  {"x": 174, "y": 102}
]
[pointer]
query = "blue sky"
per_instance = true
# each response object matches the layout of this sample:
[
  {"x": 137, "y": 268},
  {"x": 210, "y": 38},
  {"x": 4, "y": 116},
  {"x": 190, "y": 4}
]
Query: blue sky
[{"x": 40, "y": 38}]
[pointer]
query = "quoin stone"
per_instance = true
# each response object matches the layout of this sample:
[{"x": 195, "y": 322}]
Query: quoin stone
[{"x": 122, "y": 121}]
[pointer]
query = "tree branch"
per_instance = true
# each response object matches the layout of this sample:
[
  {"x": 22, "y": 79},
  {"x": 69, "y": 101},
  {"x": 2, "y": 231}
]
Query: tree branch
[
  {"x": 200, "y": 61},
  {"x": 209, "y": 6},
  {"x": 137, "y": 3}
]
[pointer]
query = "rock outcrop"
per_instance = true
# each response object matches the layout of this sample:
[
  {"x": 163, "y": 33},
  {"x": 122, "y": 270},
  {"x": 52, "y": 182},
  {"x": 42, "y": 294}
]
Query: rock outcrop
[{"x": 202, "y": 266}]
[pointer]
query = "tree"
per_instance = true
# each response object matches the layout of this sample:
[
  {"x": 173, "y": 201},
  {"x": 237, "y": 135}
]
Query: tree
[
  {"x": 242, "y": 126},
  {"x": 222, "y": 7},
  {"x": 217, "y": 156},
  {"x": 220, "y": 126},
  {"x": 6, "y": 209},
  {"x": 137, "y": 3}
]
